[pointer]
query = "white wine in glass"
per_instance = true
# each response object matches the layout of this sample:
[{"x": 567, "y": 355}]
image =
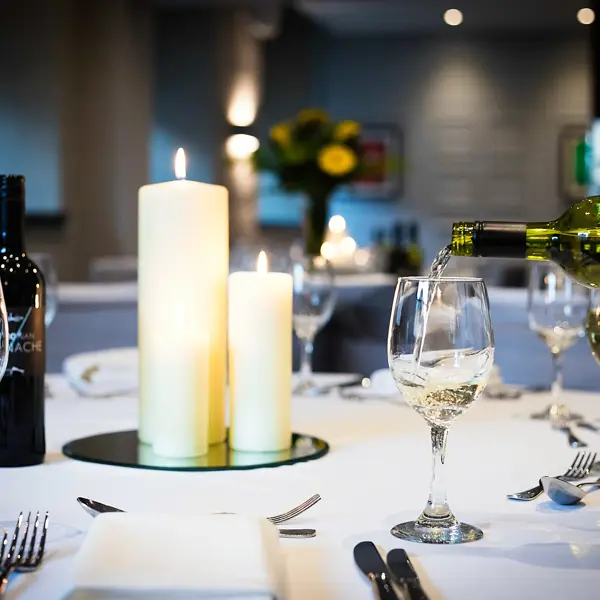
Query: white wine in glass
[{"x": 440, "y": 353}]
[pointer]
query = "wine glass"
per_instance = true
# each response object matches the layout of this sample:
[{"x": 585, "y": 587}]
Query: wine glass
[
  {"x": 440, "y": 353},
  {"x": 592, "y": 324},
  {"x": 314, "y": 301},
  {"x": 4, "y": 339},
  {"x": 557, "y": 308},
  {"x": 45, "y": 262}
]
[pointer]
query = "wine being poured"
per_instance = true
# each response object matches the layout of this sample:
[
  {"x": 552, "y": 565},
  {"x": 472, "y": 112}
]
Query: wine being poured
[{"x": 572, "y": 241}]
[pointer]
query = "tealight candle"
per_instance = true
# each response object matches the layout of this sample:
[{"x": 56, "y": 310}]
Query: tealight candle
[{"x": 260, "y": 359}]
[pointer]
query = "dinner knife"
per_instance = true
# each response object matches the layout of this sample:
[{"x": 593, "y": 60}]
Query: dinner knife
[
  {"x": 95, "y": 508},
  {"x": 369, "y": 561},
  {"x": 404, "y": 573}
]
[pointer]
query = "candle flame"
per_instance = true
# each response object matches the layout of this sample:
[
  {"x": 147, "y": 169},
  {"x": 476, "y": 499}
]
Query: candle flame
[
  {"x": 180, "y": 164},
  {"x": 262, "y": 265}
]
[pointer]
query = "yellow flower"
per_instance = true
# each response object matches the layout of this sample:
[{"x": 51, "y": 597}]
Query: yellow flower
[
  {"x": 281, "y": 134},
  {"x": 337, "y": 160},
  {"x": 346, "y": 129},
  {"x": 312, "y": 114}
]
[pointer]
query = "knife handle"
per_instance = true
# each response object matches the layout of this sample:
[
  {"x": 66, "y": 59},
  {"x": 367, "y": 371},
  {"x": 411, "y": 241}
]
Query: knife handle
[
  {"x": 382, "y": 587},
  {"x": 297, "y": 533}
]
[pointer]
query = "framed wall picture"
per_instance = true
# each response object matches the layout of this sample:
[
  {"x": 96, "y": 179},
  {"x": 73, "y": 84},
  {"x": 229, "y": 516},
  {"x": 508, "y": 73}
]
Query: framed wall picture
[
  {"x": 382, "y": 149},
  {"x": 570, "y": 185}
]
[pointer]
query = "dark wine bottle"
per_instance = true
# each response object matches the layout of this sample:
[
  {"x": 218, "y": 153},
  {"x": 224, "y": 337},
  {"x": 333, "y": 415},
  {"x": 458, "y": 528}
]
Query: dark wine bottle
[
  {"x": 414, "y": 254},
  {"x": 398, "y": 258},
  {"x": 22, "y": 436}
]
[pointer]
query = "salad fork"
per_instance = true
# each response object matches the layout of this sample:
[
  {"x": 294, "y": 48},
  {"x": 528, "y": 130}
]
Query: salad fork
[
  {"x": 30, "y": 551},
  {"x": 580, "y": 468}
]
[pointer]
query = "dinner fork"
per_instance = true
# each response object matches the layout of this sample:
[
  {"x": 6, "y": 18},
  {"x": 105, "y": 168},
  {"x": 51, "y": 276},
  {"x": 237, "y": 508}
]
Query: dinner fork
[
  {"x": 95, "y": 508},
  {"x": 29, "y": 556},
  {"x": 580, "y": 468},
  {"x": 294, "y": 512}
]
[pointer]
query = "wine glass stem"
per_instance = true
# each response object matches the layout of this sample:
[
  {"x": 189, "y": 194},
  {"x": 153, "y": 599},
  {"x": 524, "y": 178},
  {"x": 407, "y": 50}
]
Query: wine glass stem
[
  {"x": 437, "y": 505},
  {"x": 306, "y": 360},
  {"x": 557, "y": 380}
]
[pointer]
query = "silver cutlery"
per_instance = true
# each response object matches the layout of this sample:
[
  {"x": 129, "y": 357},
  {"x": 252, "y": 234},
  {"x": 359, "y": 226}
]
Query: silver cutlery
[
  {"x": 559, "y": 419},
  {"x": 587, "y": 425},
  {"x": 563, "y": 492},
  {"x": 405, "y": 575},
  {"x": 95, "y": 508},
  {"x": 581, "y": 467},
  {"x": 30, "y": 552},
  {"x": 369, "y": 561},
  {"x": 362, "y": 380}
]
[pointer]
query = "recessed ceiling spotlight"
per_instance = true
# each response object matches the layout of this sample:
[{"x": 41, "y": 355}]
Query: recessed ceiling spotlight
[
  {"x": 453, "y": 17},
  {"x": 586, "y": 16}
]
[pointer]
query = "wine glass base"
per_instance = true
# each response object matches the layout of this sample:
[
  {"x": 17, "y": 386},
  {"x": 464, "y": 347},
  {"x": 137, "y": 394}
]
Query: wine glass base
[
  {"x": 457, "y": 533},
  {"x": 552, "y": 409}
]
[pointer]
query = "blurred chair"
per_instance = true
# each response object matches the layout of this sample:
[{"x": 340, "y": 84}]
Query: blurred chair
[{"x": 110, "y": 269}]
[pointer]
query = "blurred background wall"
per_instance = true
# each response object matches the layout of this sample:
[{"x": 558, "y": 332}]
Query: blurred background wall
[{"x": 97, "y": 96}]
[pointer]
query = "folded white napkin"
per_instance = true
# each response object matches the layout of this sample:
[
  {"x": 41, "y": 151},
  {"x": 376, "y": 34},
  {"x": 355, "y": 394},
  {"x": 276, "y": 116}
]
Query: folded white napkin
[
  {"x": 103, "y": 373},
  {"x": 382, "y": 386},
  {"x": 216, "y": 557}
]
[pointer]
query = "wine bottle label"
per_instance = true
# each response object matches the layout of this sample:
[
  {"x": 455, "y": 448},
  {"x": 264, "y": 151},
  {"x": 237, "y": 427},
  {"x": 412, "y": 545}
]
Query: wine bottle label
[{"x": 26, "y": 341}]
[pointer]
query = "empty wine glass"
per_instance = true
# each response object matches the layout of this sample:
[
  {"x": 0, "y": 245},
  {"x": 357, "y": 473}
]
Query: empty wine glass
[
  {"x": 314, "y": 300},
  {"x": 440, "y": 353},
  {"x": 557, "y": 308},
  {"x": 45, "y": 262}
]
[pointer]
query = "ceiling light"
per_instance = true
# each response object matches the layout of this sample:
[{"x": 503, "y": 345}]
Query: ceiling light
[
  {"x": 453, "y": 17},
  {"x": 586, "y": 16}
]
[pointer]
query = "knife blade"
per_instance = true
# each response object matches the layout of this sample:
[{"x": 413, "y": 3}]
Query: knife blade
[
  {"x": 404, "y": 573},
  {"x": 95, "y": 508},
  {"x": 369, "y": 561}
]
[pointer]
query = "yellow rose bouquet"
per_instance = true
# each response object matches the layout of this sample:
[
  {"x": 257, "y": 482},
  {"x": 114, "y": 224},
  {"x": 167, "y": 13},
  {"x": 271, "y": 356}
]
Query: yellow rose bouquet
[{"x": 313, "y": 155}]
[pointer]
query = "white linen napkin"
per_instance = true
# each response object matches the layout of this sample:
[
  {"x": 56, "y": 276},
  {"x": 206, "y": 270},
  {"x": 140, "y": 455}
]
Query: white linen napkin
[
  {"x": 382, "y": 385},
  {"x": 216, "y": 557},
  {"x": 104, "y": 373}
]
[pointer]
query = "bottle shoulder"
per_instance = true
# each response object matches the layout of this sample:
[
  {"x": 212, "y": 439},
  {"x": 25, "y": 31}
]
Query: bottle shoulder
[{"x": 21, "y": 278}]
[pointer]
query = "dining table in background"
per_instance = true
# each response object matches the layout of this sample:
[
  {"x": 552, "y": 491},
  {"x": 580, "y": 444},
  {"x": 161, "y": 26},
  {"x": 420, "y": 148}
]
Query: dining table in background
[
  {"x": 374, "y": 476},
  {"x": 96, "y": 316}
]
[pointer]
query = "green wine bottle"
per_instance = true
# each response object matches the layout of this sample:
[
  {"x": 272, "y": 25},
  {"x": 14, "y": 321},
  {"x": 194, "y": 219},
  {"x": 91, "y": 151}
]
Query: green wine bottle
[{"x": 572, "y": 241}]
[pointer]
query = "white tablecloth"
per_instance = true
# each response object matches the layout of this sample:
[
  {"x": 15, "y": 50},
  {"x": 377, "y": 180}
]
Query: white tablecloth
[{"x": 376, "y": 475}]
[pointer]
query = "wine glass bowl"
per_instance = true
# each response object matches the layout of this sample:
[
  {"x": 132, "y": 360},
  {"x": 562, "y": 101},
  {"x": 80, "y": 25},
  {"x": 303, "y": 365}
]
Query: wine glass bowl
[
  {"x": 440, "y": 353},
  {"x": 592, "y": 324},
  {"x": 557, "y": 309},
  {"x": 313, "y": 304}
]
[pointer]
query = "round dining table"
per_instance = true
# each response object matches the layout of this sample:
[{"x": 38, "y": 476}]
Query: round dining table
[{"x": 376, "y": 475}]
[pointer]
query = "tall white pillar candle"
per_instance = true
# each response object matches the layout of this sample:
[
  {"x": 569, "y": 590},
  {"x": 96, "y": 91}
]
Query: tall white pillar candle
[
  {"x": 181, "y": 424},
  {"x": 260, "y": 359},
  {"x": 183, "y": 262}
]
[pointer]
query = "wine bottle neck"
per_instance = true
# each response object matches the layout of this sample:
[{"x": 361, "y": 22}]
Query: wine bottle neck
[
  {"x": 12, "y": 224},
  {"x": 490, "y": 239}
]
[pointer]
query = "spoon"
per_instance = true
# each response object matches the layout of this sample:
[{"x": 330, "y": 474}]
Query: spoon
[{"x": 563, "y": 492}]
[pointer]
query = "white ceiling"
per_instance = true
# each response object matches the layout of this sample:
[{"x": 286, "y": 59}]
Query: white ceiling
[{"x": 420, "y": 16}]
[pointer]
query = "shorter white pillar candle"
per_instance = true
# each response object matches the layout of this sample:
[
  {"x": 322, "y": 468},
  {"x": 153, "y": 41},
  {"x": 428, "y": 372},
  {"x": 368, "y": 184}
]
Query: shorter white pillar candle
[
  {"x": 260, "y": 359},
  {"x": 181, "y": 426}
]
